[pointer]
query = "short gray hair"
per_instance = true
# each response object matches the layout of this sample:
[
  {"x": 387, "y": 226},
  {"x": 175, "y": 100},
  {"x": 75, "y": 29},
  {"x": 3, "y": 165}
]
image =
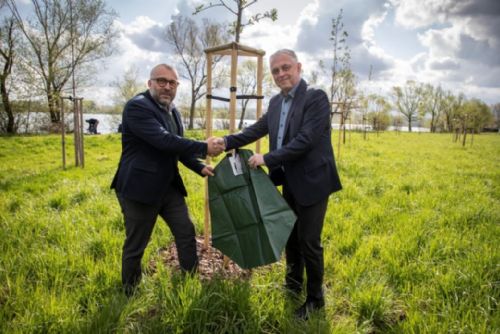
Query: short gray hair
[
  {"x": 168, "y": 67},
  {"x": 287, "y": 52}
]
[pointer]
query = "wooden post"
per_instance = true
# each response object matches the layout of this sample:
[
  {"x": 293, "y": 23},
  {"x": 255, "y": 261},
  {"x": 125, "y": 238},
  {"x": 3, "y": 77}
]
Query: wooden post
[
  {"x": 208, "y": 126},
  {"x": 76, "y": 132},
  {"x": 232, "y": 102},
  {"x": 80, "y": 112},
  {"x": 63, "y": 135},
  {"x": 260, "y": 74},
  {"x": 234, "y": 50}
]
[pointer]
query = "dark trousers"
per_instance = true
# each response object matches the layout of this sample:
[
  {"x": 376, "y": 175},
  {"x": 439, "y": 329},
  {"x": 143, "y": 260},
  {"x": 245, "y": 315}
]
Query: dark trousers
[
  {"x": 304, "y": 248},
  {"x": 140, "y": 220}
]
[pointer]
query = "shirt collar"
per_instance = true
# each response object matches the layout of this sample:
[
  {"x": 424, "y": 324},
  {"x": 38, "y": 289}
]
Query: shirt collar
[{"x": 292, "y": 91}]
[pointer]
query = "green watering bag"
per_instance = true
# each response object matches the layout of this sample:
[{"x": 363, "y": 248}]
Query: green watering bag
[{"x": 251, "y": 221}]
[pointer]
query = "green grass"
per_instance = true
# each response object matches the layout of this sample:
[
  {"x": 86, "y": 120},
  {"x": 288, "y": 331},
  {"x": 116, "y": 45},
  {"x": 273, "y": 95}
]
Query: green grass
[{"x": 411, "y": 246}]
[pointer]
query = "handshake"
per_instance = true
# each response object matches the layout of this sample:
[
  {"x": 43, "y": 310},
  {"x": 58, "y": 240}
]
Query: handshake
[{"x": 215, "y": 146}]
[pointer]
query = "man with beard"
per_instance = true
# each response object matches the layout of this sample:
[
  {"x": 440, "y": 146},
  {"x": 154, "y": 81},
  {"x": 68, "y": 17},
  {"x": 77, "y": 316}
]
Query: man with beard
[{"x": 147, "y": 182}]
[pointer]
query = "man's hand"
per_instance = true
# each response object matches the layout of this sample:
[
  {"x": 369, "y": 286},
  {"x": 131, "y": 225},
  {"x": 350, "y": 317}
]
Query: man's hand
[
  {"x": 256, "y": 160},
  {"x": 214, "y": 146},
  {"x": 221, "y": 142},
  {"x": 208, "y": 171}
]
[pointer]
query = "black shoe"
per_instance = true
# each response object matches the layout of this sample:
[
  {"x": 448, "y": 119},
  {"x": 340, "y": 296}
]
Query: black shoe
[{"x": 311, "y": 305}]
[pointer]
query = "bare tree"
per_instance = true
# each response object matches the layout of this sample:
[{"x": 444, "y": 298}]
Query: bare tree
[
  {"x": 7, "y": 57},
  {"x": 189, "y": 42},
  {"x": 378, "y": 114},
  {"x": 247, "y": 85},
  {"x": 431, "y": 102},
  {"x": 237, "y": 8},
  {"x": 450, "y": 107},
  {"x": 339, "y": 70},
  {"x": 127, "y": 87},
  {"x": 407, "y": 100},
  {"x": 342, "y": 79},
  {"x": 65, "y": 36}
]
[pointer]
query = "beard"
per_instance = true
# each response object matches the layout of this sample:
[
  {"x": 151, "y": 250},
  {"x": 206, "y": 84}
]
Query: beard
[{"x": 163, "y": 97}]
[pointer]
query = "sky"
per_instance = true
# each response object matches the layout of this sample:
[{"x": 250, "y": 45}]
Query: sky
[{"x": 451, "y": 43}]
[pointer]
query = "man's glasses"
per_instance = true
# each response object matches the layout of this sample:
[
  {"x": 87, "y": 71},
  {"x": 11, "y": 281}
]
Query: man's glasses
[
  {"x": 162, "y": 82},
  {"x": 284, "y": 68}
]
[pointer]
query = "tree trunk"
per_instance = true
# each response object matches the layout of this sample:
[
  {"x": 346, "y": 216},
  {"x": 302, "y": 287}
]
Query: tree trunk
[
  {"x": 243, "y": 110},
  {"x": 192, "y": 109},
  {"x": 53, "y": 107},
  {"x": 8, "y": 109},
  {"x": 409, "y": 124}
]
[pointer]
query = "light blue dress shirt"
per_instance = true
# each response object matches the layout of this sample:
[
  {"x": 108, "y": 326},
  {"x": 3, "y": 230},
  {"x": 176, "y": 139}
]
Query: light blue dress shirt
[{"x": 285, "y": 108}]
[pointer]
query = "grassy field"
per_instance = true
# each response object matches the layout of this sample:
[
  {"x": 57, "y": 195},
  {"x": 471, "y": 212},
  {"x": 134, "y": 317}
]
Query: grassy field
[{"x": 411, "y": 246}]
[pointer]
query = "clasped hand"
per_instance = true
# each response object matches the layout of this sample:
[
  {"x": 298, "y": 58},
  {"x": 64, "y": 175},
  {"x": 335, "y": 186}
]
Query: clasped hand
[{"x": 216, "y": 146}]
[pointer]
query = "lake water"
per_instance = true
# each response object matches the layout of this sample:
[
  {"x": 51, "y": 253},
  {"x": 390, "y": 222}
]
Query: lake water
[{"x": 108, "y": 123}]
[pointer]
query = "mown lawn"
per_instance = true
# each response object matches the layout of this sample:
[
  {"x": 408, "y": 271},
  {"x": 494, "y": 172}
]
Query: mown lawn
[{"x": 411, "y": 246}]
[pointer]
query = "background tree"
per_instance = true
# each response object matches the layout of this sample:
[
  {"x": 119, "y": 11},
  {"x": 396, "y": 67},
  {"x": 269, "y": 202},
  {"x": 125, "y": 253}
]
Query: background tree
[
  {"x": 495, "y": 109},
  {"x": 431, "y": 104},
  {"x": 237, "y": 7},
  {"x": 341, "y": 57},
  {"x": 450, "y": 106},
  {"x": 378, "y": 114},
  {"x": 126, "y": 87},
  {"x": 342, "y": 80},
  {"x": 247, "y": 85},
  {"x": 407, "y": 100},
  {"x": 7, "y": 56},
  {"x": 189, "y": 41},
  {"x": 65, "y": 36},
  {"x": 473, "y": 116}
]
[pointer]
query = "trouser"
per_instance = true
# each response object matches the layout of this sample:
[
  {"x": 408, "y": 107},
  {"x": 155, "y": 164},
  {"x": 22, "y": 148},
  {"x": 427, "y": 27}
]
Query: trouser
[
  {"x": 304, "y": 248},
  {"x": 140, "y": 220}
]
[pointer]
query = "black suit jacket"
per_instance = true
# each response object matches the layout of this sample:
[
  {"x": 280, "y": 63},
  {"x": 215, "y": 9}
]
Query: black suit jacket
[
  {"x": 150, "y": 152},
  {"x": 306, "y": 154}
]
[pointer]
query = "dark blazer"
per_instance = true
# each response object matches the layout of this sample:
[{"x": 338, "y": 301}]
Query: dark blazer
[
  {"x": 306, "y": 154},
  {"x": 150, "y": 152}
]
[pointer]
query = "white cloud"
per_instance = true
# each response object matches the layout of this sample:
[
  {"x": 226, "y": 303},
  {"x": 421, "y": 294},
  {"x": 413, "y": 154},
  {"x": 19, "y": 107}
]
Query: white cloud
[{"x": 458, "y": 41}]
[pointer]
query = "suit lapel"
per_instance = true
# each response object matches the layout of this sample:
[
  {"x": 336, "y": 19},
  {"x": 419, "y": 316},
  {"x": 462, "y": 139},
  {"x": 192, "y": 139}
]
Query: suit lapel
[
  {"x": 177, "y": 120},
  {"x": 274, "y": 116},
  {"x": 297, "y": 105}
]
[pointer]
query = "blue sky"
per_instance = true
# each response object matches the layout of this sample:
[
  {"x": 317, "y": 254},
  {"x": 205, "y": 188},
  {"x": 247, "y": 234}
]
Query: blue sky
[{"x": 452, "y": 43}]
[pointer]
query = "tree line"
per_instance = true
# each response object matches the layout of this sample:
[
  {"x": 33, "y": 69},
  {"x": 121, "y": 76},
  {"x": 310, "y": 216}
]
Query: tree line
[{"x": 47, "y": 53}]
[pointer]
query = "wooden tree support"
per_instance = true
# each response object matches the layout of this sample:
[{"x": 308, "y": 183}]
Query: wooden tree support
[
  {"x": 234, "y": 50},
  {"x": 78, "y": 131}
]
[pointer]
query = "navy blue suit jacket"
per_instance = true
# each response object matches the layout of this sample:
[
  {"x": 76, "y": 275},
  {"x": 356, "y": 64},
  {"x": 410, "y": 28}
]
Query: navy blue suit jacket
[
  {"x": 306, "y": 154},
  {"x": 150, "y": 152}
]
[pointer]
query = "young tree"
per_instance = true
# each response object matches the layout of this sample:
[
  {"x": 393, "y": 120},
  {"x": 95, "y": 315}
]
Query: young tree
[
  {"x": 189, "y": 42},
  {"x": 65, "y": 36},
  {"x": 339, "y": 71},
  {"x": 237, "y": 8},
  {"x": 407, "y": 100},
  {"x": 343, "y": 81}
]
